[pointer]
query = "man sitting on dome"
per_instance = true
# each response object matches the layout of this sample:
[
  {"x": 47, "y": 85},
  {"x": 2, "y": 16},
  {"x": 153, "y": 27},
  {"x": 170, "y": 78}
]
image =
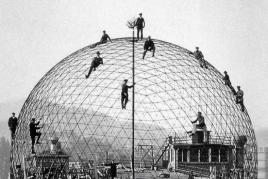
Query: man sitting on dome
[
  {"x": 104, "y": 39},
  {"x": 240, "y": 98},
  {"x": 227, "y": 82},
  {"x": 33, "y": 132},
  {"x": 95, "y": 63},
  {"x": 201, "y": 125},
  {"x": 148, "y": 45},
  {"x": 199, "y": 56},
  {"x": 124, "y": 93}
]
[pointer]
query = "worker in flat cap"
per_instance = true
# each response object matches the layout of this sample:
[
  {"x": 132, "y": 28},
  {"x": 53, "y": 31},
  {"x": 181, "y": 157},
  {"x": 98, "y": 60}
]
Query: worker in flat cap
[
  {"x": 94, "y": 64},
  {"x": 240, "y": 98},
  {"x": 124, "y": 93},
  {"x": 140, "y": 24}
]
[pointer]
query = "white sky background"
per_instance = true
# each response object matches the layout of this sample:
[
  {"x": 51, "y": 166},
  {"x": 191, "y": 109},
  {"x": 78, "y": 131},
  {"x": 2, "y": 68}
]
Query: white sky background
[{"x": 233, "y": 35}]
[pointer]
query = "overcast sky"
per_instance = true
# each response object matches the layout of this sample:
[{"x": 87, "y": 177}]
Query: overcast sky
[{"x": 35, "y": 35}]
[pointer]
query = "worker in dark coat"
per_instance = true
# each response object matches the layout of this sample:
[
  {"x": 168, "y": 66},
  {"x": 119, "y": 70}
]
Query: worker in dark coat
[
  {"x": 200, "y": 57},
  {"x": 201, "y": 125},
  {"x": 124, "y": 94},
  {"x": 191, "y": 175},
  {"x": 95, "y": 63},
  {"x": 240, "y": 98},
  {"x": 140, "y": 24},
  {"x": 227, "y": 82},
  {"x": 12, "y": 124},
  {"x": 148, "y": 45},
  {"x": 34, "y": 133},
  {"x": 113, "y": 170},
  {"x": 104, "y": 39}
]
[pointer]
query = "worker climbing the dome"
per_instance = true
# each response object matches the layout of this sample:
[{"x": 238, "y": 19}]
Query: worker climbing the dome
[
  {"x": 12, "y": 124},
  {"x": 95, "y": 63},
  {"x": 240, "y": 98},
  {"x": 104, "y": 39},
  {"x": 140, "y": 24},
  {"x": 34, "y": 133},
  {"x": 199, "y": 56},
  {"x": 227, "y": 82},
  {"x": 124, "y": 93},
  {"x": 201, "y": 125},
  {"x": 148, "y": 45}
]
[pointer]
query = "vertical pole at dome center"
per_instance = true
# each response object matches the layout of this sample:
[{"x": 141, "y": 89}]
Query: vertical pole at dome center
[{"x": 133, "y": 102}]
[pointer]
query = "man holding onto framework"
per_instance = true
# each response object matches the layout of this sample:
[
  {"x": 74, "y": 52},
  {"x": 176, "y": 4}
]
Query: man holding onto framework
[
  {"x": 140, "y": 23},
  {"x": 201, "y": 124},
  {"x": 227, "y": 82},
  {"x": 148, "y": 45},
  {"x": 124, "y": 94},
  {"x": 12, "y": 124},
  {"x": 200, "y": 57},
  {"x": 94, "y": 64},
  {"x": 34, "y": 133},
  {"x": 240, "y": 98}
]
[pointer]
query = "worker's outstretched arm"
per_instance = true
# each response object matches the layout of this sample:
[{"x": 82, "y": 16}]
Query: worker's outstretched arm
[
  {"x": 202, "y": 56},
  {"x": 109, "y": 38},
  {"x": 131, "y": 85},
  {"x": 194, "y": 121},
  {"x": 143, "y": 23}
]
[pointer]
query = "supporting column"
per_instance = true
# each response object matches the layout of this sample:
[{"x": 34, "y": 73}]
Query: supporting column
[
  {"x": 198, "y": 155},
  {"x": 209, "y": 154},
  {"x": 188, "y": 155},
  {"x": 219, "y": 155}
]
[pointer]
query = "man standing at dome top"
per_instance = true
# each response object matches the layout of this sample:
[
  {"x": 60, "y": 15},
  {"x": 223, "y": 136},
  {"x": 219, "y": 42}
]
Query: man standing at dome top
[
  {"x": 124, "y": 93},
  {"x": 140, "y": 23},
  {"x": 95, "y": 63}
]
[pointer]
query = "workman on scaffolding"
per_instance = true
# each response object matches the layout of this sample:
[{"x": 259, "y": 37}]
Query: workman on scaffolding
[{"x": 201, "y": 125}]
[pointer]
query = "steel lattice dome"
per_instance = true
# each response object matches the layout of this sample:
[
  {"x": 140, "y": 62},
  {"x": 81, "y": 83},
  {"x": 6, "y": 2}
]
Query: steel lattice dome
[{"x": 86, "y": 114}]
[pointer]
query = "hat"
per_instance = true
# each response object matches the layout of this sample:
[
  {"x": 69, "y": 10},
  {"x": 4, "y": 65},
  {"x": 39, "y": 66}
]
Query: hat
[
  {"x": 98, "y": 52},
  {"x": 13, "y": 113},
  {"x": 33, "y": 119},
  {"x": 125, "y": 79},
  {"x": 140, "y": 13},
  {"x": 225, "y": 71}
]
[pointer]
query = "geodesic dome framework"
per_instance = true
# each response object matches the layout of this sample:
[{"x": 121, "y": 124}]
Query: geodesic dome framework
[{"x": 86, "y": 114}]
